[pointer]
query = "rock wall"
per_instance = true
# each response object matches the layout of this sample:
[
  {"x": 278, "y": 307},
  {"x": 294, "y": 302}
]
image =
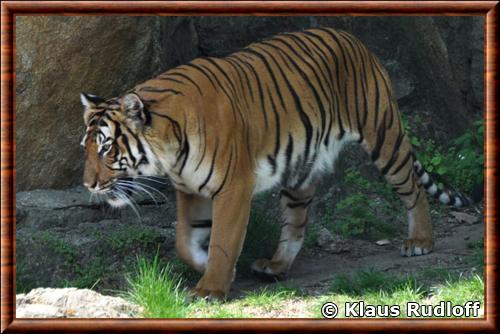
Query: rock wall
[
  {"x": 57, "y": 58},
  {"x": 436, "y": 64}
]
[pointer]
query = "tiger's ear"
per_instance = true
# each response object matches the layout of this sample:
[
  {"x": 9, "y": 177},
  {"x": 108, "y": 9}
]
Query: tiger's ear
[
  {"x": 133, "y": 108},
  {"x": 89, "y": 103}
]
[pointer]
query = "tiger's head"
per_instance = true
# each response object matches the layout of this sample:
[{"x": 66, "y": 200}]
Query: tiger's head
[{"x": 115, "y": 149}]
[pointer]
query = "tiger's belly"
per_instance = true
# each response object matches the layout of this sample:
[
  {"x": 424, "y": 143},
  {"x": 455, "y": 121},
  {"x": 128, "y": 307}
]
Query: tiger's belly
[{"x": 296, "y": 173}]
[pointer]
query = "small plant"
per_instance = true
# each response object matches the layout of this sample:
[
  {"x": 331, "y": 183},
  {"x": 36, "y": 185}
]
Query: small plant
[
  {"x": 359, "y": 215},
  {"x": 157, "y": 289},
  {"x": 59, "y": 246},
  {"x": 460, "y": 165},
  {"x": 261, "y": 239},
  {"x": 129, "y": 236}
]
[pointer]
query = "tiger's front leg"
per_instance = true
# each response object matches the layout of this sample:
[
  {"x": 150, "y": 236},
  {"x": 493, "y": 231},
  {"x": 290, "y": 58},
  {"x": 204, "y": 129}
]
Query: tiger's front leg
[
  {"x": 231, "y": 209},
  {"x": 194, "y": 220}
]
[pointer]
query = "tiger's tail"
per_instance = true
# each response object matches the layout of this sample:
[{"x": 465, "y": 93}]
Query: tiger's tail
[{"x": 445, "y": 196}]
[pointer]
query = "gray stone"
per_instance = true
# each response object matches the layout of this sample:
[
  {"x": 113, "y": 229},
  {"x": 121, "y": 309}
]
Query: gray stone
[{"x": 61, "y": 237}]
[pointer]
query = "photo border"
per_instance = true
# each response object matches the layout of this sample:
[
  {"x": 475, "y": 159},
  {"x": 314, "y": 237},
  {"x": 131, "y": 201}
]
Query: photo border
[{"x": 9, "y": 9}]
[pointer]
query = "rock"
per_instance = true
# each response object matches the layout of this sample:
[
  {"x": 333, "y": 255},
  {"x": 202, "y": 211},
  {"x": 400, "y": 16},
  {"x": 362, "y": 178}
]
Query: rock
[
  {"x": 463, "y": 217},
  {"x": 62, "y": 238},
  {"x": 325, "y": 238},
  {"x": 60, "y": 56},
  {"x": 72, "y": 303},
  {"x": 382, "y": 242},
  {"x": 218, "y": 36},
  {"x": 330, "y": 243}
]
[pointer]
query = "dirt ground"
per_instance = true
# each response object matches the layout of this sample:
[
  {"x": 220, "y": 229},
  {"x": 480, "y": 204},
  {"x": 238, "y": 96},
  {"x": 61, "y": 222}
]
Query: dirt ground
[{"x": 314, "y": 269}]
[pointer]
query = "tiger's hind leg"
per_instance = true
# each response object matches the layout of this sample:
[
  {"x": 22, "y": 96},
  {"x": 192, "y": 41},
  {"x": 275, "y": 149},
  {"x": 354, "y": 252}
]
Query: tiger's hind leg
[
  {"x": 294, "y": 206},
  {"x": 395, "y": 160}
]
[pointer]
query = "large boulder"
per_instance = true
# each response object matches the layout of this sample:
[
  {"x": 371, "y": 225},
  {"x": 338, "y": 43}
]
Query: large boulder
[{"x": 57, "y": 57}]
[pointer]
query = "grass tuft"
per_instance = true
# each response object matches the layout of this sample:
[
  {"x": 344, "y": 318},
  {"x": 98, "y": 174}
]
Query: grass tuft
[{"x": 157, "y": 289}]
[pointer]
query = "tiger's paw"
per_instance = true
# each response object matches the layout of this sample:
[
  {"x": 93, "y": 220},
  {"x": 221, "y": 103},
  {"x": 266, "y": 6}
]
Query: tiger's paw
[
  {"x": 274, "y": 270},
  {"x": 416, "y": 247},
  {"x": 207, "y": 289},
  {"x": 208, "y": 295}
]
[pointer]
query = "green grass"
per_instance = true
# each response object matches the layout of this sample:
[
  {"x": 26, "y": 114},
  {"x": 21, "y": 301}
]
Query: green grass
[
  {"x": 460, "y": 291},
  {"x": 268, "y": 298},
  {"x": 160, "y": 291},
  {"x": 157, "y": 289},
  {"x": 378, "y": 288},
  {"x": 368, "y": 281}
]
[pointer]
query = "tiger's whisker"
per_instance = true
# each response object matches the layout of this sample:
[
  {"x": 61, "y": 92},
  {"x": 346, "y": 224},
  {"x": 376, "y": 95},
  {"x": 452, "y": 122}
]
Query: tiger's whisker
[
  {"x": 137, "y": 184},
  {"x": 130, "y": 202},
  {"x": 132, "y": 187}
]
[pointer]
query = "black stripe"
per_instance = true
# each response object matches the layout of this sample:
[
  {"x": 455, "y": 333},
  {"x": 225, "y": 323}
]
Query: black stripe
[
  {"x": 184, "y": 151},
  {"x": 176, "y": 126},
  {"x": 403, "y": 163},
  {"x": 332, "y": 35},
  {"x": 420, "y": 172},
  {"x": 438, "y": 193},
  {"x": 272, "y": 162},
  {"x": 231, "y": 97},
  {"x": 355, "y": 84},
  {"x": 211, "y": 168},
  {"x": 303, "y": 204},
  {"x": 259, "y": 86},
  {"x": 428, "y": 184},
  {"x": 201, "y": 223},
  {"x": 399, "y": 184},
  {"x": 239, "y": 69},
  {"x": 452, "y": 200},
  {"x": 306, "y": 77},
  {"x": 288, "y": 158},
  {"x": 394, "y": 155},
  {"x": 298, "y": 103},
  {"x": 286, "y": 193},
  {"x": 160, "y": 90},
  {"x": 277, "y": 124},
  {"x": 416, "y": 201},
  {"x": 167, "y": 78},
  {"x": 225, "y": 176},
  {"x": 380, "y": 140},
  {"x": 189, "y": 79},
  {"x": 202, "y": 71},
  {"x": 127, "y": 147}
]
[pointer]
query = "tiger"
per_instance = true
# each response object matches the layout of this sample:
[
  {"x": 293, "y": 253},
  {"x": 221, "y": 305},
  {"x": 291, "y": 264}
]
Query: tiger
[{"x": 276, "y": 113}]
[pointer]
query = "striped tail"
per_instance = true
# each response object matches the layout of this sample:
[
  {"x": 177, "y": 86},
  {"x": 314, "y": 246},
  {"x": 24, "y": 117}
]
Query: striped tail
[{"x": 443, "y": 195}]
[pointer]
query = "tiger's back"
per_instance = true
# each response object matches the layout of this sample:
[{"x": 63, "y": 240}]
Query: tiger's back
[{"x": 293, "y": 101}]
